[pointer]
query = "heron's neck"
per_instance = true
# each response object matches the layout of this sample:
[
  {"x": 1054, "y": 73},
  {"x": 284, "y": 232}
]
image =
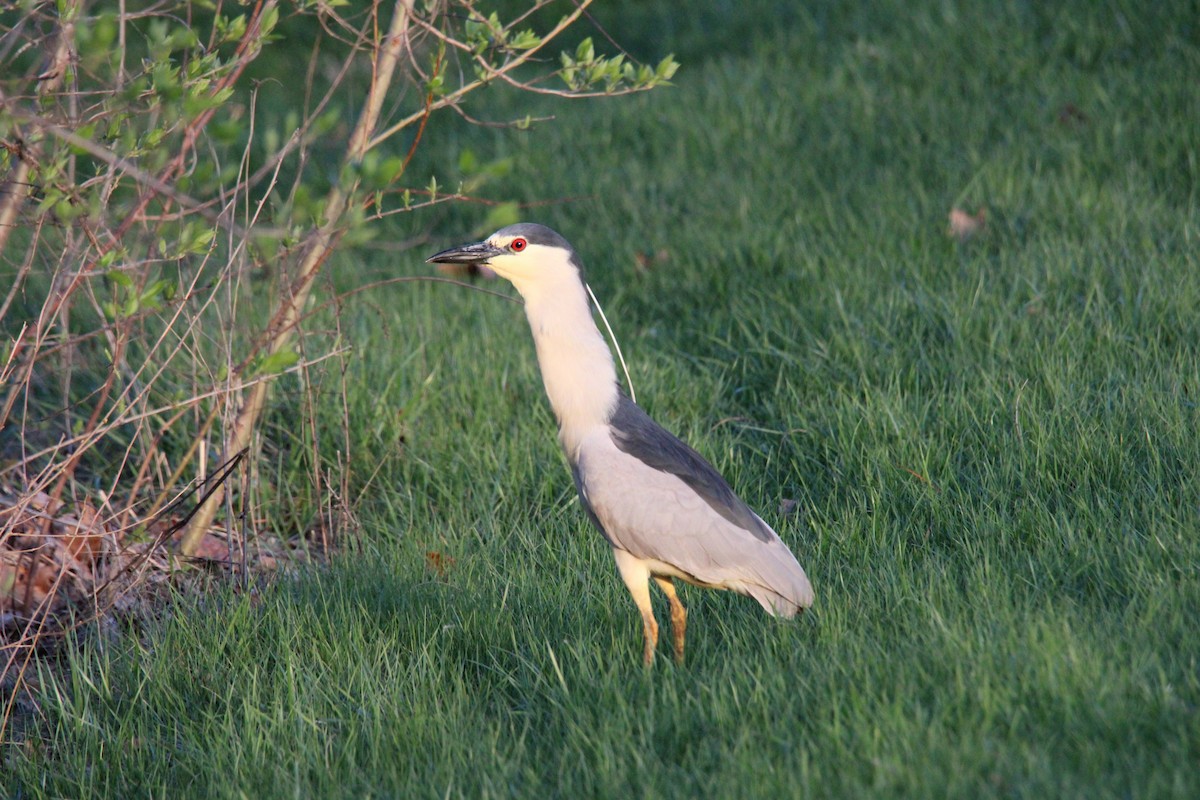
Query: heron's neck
[{"x": 577, "y": 367}]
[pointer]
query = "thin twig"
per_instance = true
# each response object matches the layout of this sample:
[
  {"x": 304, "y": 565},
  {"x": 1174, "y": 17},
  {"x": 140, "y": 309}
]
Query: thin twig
[{"x": 462, "y": 91}]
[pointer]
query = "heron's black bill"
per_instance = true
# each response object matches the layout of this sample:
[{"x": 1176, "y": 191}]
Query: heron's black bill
[{"x": 477, "y": 253}]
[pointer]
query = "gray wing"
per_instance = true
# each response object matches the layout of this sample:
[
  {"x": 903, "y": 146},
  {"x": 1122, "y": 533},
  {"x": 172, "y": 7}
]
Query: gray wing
[
  {"x": 585, "y": 501},
  {"x": 635, "y": 434},
  {"x": 656, "y": 498}
]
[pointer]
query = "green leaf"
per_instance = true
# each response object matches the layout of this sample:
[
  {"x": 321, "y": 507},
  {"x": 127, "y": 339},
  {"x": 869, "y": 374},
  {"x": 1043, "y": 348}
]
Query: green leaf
[
  {"x": 161, "y": 289},
  {"x": 666, "y": 69},
  {"x": 570, "y": 77},
  {"x": 269, "y": 20},
  {"x": 225, "y": 131},
  {"x": 498, "y": 168},
  {"x": 585, "y": 51},
  {"x": 390, "y": 170},
  {"x": 524, "y": 40},
  {"x": 499, "y": 216},
  {"x": 327, "y": 122},
  {"x": 276, "y": 362},
  {"x": 196, "y": 240},
  {"x": 119, "y": 278},
  {"x": 66, "y": 210}
]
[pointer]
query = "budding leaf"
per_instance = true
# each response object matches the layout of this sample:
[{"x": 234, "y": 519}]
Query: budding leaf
[{"x": 277, "y": 362}]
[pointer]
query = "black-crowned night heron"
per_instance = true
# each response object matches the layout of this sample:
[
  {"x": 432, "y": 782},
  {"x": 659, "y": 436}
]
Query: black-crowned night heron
[{"x": 664, "y": 509}]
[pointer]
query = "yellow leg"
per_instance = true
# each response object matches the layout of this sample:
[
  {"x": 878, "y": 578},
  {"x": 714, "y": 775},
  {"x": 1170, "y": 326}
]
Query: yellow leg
[
  {"x": 637, "y": 579},
  {"x": 678, "y": 616}
]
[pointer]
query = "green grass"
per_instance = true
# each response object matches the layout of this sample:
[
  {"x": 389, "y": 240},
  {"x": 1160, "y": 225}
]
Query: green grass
[{"x": 992, "y": 447}]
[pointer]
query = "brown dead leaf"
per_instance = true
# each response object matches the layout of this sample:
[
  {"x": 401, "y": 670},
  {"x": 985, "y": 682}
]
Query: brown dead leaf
[
  {"x": 465, "y": 271},
  {"x": 212, "y": 548},
  {"x": 920, "y": 477},
  {"x": 109, "y": 562},
  {"x": 24, "y": 518},
  {"x": 83, "y": 536},
  {"x": 439, "y": 563},
  {"x": 34, "y": 582},
  {"x": 43, "y": 503},
  {"x": 1072, "y": 116},
  {"x": 46, "y": 561},
  {"x": 647, "y": 261},
  {"x": 964, "y": 226}
]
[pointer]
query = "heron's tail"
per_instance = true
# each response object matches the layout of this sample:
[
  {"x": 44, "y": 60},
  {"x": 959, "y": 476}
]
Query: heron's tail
[
  {"x": 798, "y": 597},
  {"x": 782, "y": 587}
]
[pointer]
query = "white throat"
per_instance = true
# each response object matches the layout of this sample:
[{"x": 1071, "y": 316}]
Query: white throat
[{"x": 576, "y": 364}]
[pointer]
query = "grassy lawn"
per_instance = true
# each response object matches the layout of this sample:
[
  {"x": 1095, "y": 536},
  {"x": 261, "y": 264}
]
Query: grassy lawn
[{"x": 991, "y": 447}]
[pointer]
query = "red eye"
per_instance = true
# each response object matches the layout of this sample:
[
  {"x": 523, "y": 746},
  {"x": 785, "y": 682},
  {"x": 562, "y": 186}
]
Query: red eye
[{"x": 517, "y": 245}]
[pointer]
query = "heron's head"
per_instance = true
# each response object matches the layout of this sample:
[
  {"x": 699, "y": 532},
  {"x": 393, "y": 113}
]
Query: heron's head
[{"x": 526, "y": 254}]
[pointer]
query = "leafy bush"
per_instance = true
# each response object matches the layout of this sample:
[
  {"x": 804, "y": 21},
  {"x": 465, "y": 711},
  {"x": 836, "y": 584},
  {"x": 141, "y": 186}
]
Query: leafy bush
[{"x": 162, "y": 232}]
